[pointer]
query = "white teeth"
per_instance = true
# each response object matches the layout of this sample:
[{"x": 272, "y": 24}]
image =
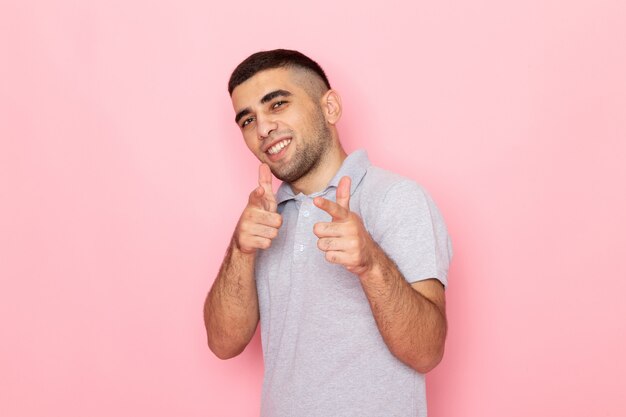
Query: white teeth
[{"x": 278, "y": 147}]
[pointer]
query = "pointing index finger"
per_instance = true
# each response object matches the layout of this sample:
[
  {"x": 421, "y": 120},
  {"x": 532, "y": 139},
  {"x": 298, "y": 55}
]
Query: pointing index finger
[
  {"x": 336, "y": 211},
  {"x": 341, "y": 209}
]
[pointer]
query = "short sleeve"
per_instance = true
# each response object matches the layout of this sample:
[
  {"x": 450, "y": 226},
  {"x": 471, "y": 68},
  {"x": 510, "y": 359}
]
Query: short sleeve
[{"x": 412, "y": 232}]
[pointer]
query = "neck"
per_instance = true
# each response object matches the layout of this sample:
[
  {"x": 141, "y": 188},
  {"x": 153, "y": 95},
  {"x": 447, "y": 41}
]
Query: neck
[{"x": 320, "y": 176}]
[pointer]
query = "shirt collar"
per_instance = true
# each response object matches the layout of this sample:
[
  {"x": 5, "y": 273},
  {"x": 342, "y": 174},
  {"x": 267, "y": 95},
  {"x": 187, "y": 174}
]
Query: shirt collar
[{"x": 354, "y": 166}]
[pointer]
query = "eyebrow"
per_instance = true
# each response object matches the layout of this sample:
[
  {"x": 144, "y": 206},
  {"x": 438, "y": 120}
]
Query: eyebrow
[
  {"x": 266, "y": 98},
  {"x": 274, "y": 94}
]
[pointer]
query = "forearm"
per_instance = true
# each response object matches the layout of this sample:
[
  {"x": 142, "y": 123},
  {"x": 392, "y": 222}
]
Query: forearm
[
  {"x": 231, "y": 310},
  {"x": 412, "y": 326}
]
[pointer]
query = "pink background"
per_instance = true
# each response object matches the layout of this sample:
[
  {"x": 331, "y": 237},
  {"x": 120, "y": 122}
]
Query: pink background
[{"x": 122, "y": 175}]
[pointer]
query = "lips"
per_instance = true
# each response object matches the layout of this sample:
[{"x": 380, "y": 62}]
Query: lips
[{"x": 278, "y": 146}]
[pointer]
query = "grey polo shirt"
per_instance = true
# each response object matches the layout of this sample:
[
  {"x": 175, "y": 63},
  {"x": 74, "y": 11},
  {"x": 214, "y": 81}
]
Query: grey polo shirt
[{"x": 323, "y": 353}]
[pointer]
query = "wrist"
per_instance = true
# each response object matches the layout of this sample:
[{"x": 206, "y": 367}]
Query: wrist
[
  {"x": 370, "y": 267},
  {"x": 238, "y": 250}
]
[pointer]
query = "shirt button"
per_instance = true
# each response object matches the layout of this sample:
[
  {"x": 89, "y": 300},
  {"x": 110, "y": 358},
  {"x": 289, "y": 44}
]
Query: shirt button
[{"x": 305, "y": 213}]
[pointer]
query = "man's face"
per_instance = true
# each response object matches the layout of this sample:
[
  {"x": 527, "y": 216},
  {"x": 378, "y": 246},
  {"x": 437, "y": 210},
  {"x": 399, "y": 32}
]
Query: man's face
[{"x": 281, "y": 123}]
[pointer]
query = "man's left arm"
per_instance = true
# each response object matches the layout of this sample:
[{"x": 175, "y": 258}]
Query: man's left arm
[{"x": 410, "y": 317}]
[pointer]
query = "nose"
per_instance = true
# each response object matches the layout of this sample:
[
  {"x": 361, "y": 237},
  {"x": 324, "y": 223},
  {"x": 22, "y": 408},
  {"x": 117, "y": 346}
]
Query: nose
[{"x": 265, "y": 126}]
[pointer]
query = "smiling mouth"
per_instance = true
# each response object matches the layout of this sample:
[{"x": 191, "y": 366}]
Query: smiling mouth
[{"x": 278, "y": 147}]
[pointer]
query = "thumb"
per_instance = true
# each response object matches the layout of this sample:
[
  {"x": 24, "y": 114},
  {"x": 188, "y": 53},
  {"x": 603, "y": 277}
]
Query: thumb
[
  {"x": 256, "y": 196},
  {"x": 343, "y": 192},
  {"x": 265, "y": 182},
  {"x": 265, "y": 177}
]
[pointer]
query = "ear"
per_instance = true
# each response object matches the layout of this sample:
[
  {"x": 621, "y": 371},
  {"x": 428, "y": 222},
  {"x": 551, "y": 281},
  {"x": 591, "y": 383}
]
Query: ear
[{"x": 331, "y": 104}]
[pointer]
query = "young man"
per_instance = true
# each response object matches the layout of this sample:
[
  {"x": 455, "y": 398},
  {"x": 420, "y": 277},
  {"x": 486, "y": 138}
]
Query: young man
[{"x": 345, "y": 265}]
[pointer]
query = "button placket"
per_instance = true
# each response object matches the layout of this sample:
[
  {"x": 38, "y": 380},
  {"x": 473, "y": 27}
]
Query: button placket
[{"x": 300, "y": 237}]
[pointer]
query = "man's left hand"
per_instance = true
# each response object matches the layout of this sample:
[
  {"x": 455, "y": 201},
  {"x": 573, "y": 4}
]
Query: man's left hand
[{"x": 344, "y": 240}]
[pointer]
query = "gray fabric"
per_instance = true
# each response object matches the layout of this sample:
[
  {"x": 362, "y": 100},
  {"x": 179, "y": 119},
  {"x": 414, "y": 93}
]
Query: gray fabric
[{"x": 323, "y": 353}]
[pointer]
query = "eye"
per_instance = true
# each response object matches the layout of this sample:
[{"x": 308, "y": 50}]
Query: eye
[
  {"x": 278, "y": 104},
  {"x": 247, "y": 121}
]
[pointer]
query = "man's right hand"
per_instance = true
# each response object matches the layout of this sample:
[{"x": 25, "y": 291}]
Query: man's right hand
[{"x": 259, "y": 222}]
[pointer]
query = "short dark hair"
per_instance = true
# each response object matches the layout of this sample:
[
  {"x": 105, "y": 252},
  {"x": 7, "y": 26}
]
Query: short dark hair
[{"x": 278, "y": 58}]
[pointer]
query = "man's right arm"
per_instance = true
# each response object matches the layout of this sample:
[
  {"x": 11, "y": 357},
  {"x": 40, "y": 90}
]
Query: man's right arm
[{"x": 231, "y": 309}]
